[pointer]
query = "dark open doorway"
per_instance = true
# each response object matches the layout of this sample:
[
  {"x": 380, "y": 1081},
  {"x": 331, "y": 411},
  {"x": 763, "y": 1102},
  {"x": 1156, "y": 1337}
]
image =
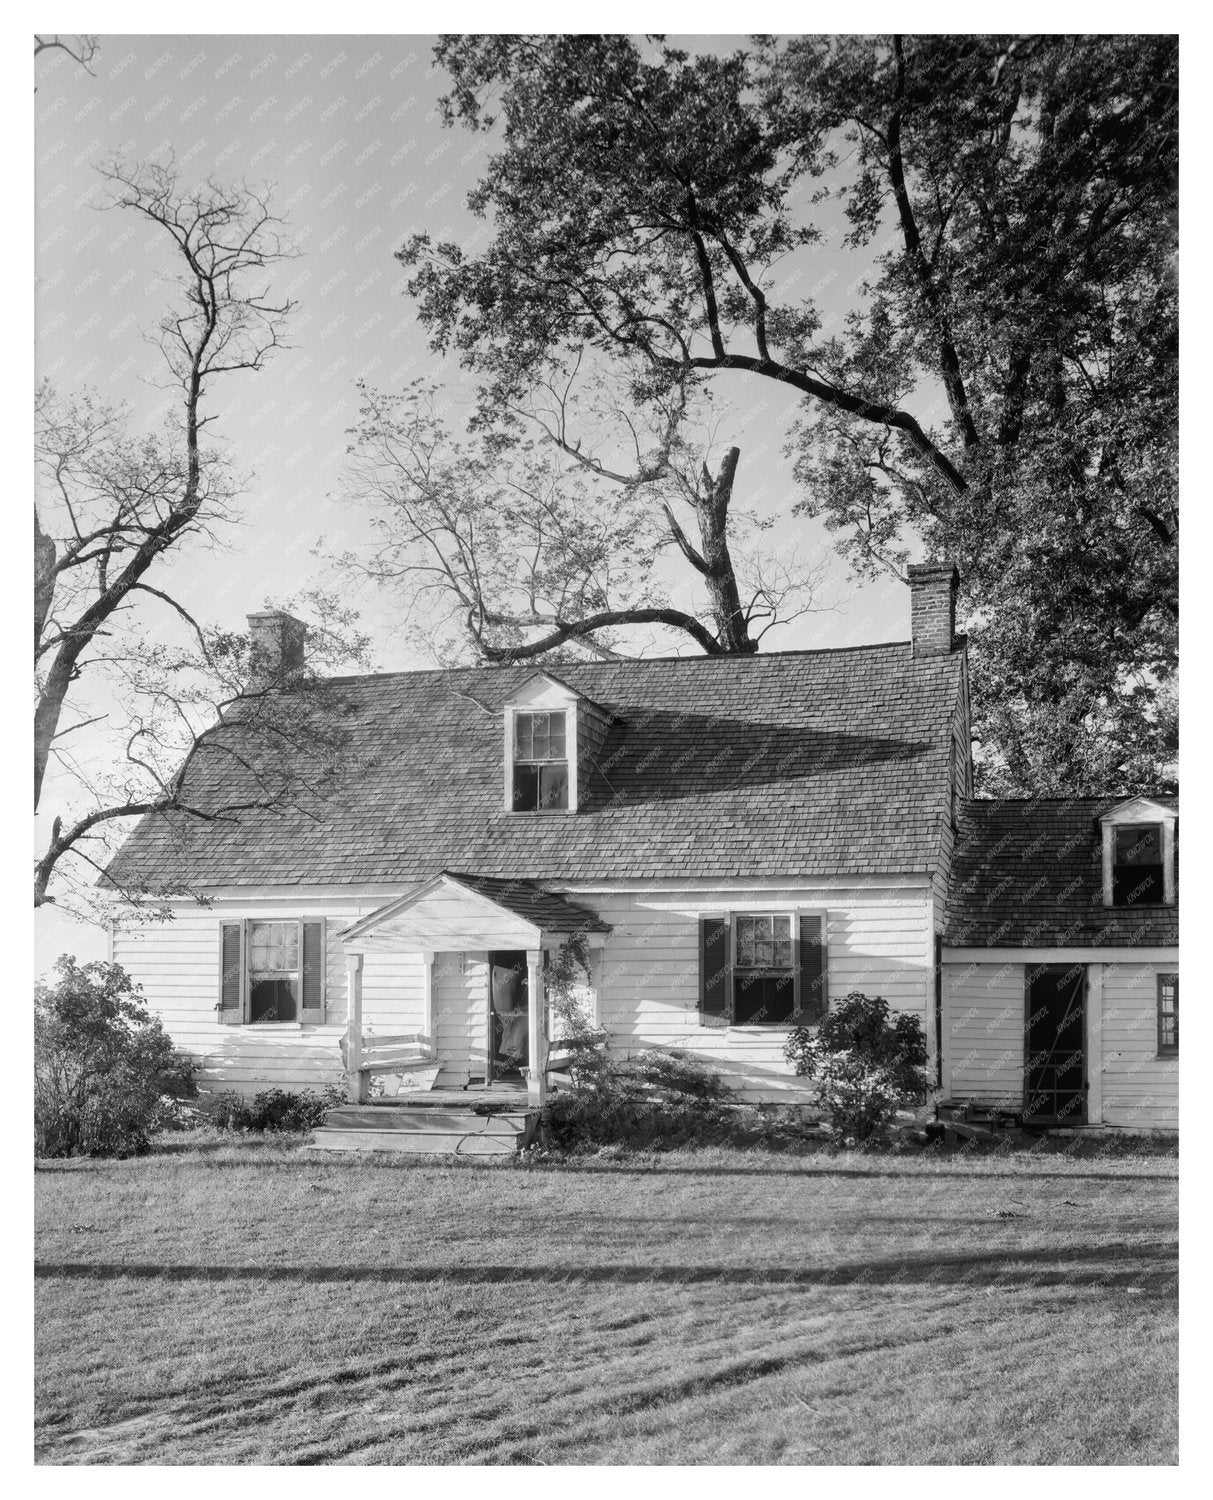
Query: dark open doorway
[
  {"x": 508, "y": 1015},
  {"x": 1055, "y": 1091}
]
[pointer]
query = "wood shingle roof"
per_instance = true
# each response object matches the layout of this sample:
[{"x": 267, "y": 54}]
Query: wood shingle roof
[
  {"x": 792, "y": 764},
  {"x": 1029, "y": 874}
]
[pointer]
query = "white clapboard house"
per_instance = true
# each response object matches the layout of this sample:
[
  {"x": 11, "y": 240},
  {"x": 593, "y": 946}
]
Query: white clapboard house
[{"x": 734, "y": 841}]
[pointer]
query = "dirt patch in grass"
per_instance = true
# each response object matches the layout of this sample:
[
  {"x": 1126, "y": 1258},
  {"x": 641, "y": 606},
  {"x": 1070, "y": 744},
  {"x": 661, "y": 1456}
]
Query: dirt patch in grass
[{"x": 247, "y": 1302}]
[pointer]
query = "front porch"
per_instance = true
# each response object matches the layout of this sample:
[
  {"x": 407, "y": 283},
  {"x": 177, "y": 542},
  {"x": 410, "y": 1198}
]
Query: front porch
[{"x": 486, "y": 1030}]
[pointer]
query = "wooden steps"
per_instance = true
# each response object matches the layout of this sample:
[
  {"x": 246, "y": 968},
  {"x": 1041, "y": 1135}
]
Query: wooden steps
[{"x": 426, "y": 1129}]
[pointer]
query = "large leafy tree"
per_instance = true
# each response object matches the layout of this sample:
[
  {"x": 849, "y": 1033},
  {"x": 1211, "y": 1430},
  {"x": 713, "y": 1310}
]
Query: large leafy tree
[{"x": 1001, "y": 390}]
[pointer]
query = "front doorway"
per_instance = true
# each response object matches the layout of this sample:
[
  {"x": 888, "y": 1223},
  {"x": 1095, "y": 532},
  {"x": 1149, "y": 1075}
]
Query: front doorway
[
  {"x": 508, "y": 1016},
  {"x": 1055, "y": 1090}
]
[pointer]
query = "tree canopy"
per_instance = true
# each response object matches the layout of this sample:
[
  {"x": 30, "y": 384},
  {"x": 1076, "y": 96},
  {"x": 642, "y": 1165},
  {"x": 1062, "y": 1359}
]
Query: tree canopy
[{"x": 1002, "y": 387}]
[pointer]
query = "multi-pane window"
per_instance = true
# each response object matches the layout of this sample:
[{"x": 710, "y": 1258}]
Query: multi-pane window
[
  {"x": 273, "y": 971},
  {"x": 764, "y": 978},
  {"x": 1137, "y": 872},
  {"x": 1168, "y": 1015},
  {"x": 541, "y": 765}
]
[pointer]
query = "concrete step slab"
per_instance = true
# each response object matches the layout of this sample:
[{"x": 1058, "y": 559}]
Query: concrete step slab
[
  {"x": 447, "y": 1142},
  {"x": 421, "y": 1121}
]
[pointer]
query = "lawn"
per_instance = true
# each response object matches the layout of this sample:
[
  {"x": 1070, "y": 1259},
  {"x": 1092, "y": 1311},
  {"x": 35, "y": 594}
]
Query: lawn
[{"x": 249, "y": 1302}]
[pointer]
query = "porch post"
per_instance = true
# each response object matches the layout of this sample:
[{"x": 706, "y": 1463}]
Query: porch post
[
  {"x": 427, "y": 992},
  {"x": 537, "y": 1073},
  {"x": 353, "y": 1033},
  {"x": 1093, "y": 1043}
]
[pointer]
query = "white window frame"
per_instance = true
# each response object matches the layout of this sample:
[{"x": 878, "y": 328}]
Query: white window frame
[
  {"x": 793, "y": 919},
  {"x": 1161, "y": 1052},
  {"x": 1150, "y": 816},
  {"x": 571, "y": 742}
]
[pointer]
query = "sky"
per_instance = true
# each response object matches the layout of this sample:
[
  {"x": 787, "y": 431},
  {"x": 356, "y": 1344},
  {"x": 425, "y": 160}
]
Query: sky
[{"x": 348, "y": 132}]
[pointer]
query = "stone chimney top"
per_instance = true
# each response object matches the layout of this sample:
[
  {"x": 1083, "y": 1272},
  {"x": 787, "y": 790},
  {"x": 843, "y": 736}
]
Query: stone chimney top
[
  {"x": 933, "y": 608},
  {"x": 276, "y": 642}
]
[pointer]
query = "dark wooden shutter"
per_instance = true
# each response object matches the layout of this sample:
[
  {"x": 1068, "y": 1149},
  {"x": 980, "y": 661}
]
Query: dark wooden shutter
[
  {"x": 313, "y": 973},
  {"x": 812, "y": 970},
  {"x": 714, "y": 999},
  {"x": 231, "y": 968}
]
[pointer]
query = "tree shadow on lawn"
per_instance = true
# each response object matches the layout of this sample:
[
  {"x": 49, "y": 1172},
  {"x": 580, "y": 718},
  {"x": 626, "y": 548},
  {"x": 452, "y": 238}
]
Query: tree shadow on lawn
[
  {"x": 403, "y": 1162},
  {"x": 1148, "y": 1269}
]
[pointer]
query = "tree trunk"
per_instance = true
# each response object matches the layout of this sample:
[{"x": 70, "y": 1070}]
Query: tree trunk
[
  {"x": 732, "y": 630},
  {"x": 45, "y": 557}
]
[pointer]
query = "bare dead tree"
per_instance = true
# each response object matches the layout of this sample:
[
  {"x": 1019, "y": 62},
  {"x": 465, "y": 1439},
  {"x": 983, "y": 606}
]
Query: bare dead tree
[
  {"x": 114, "y": 505},
  {"x": 670, "y": 467},
  {"x": 532, "y": 552},
  {"x": 81, "y": 49}
]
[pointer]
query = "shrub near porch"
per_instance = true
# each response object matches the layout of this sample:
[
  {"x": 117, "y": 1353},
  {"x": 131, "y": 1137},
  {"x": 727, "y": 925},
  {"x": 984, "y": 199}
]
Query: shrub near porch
[{"x": 247, "y": 1303}]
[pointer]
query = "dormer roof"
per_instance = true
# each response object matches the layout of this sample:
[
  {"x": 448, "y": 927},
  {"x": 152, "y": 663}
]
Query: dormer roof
[
  {"x": 544, "y": 686},
  {"x": 1139, "y": 810}
]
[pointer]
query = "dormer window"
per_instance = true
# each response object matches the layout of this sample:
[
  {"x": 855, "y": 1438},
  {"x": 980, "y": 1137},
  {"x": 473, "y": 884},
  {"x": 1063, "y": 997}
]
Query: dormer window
[
  {"x": 1138, "y": 839},
  {"x": 553, "y": 737},
  {"x": 541, "y": 762},
  {"x": 1137, "y": 865}
]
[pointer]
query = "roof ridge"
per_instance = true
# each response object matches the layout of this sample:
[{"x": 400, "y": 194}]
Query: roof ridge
[
  {"x": 1086, "y": 797},
  {"x": 535, "y": 663}
]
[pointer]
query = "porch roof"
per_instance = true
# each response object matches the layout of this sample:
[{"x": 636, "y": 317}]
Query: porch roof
[
  {"x": 456, "y": 910},
  {"x": 532, "y": 903}
]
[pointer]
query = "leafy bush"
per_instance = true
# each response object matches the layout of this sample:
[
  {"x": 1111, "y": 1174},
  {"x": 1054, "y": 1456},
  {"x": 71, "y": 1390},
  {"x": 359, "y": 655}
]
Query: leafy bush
[
  {"x": 105, "y": 1072},
  {"x": 866, "y": 1065},
  {"x": 677, "y": 1073},
  {"x": 275, "y": 1109},
  {"x": 656, "y": 1099}
]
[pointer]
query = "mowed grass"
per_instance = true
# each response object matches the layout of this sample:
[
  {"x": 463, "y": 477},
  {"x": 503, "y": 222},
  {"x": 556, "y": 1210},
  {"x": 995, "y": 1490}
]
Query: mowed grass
[{"x": 254, "y": 1303}]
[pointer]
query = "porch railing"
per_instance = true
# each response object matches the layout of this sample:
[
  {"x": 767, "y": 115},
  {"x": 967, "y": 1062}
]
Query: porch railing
[{"x": 399, "y": 1053}]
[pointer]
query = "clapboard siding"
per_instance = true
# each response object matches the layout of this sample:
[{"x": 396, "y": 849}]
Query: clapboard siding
[
  {"x": 648, "y": 976},
  {"x": 1140, "y": 1089},
  {"x": 983, "y": 1022},
  {"x": 177, "y": 965},
  {"x": 984, "y": 1041},
  {"x": 646, "y": 992}
]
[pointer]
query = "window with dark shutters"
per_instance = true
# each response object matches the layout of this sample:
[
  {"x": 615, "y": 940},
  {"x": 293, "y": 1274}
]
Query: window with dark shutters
[
  {"x": 231, "y": 968},
  {"x": 813, "y": 997},
  {"x": 271, "y": 971},
  {"x": 313, "y": 973},
  {"x": 714, "y": 1000}
]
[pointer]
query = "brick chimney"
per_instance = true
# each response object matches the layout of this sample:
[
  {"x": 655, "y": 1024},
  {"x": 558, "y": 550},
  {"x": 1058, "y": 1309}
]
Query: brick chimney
[
  {"x": 933, "y": 608},
  {"x": 276, "y": 642}
]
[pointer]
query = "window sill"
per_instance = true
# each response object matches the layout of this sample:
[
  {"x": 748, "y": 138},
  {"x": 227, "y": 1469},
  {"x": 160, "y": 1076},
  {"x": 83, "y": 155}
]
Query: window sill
[
  {"x": 1140, "y": 906},
  {"x": 539, "y": 812},
  {"x": 292, "y": 1028}
]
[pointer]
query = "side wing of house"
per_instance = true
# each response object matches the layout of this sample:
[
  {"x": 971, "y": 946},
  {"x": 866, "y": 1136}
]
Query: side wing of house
[{"x": 1060, "y": 980}]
